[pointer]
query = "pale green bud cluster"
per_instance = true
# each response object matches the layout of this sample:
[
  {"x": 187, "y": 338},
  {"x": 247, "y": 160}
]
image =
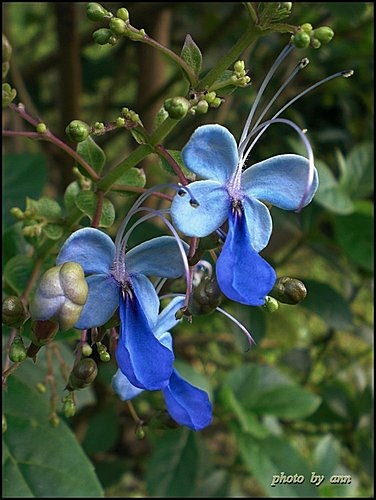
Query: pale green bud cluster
[
  {"x": 130, "y": 115},
  {"x": 306, "y": 36},
  {"x": 103, "y": 353},
  {"x": 9, "y": 94},
  {"x": 239, "y": 77},
  {"x": 61, "y": 295}
]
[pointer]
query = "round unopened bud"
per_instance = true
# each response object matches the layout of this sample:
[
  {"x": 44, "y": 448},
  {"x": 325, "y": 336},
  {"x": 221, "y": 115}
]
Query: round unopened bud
[
  {"x": 102, "y": 36},
  {"x": 140, "y": 432},
  {"x": 118, "y": 26},
  {"x": 41, "y": 128},
  {"x": 77, "y": 130},
  {"x": 123, "y": 14},
  {"x": 69, "y": 406},
  {"x": 210, "y": 96},
  {"x": 61, "y": 295},
  {"x": 315, "y": 43},
  {"x": 17, "y": 351},
  {"x": 87, "y": 350},
  {"x": 83, "y": 374},
  {"x": 216, "y": 102},
  {"x": 205, "y": 297},
  {"x": 17, "y": 212},
  {"x": 177, "y": 107},
  {"x": 239, "y": 66},
  {"x": 202, "y": 107},
  {"x": 120, "y": 121},
  {"x": 285, "y": 6},
  {"x": 289, "y": 290},
  {"x": 301, "y": 39},
  {"x": 307, "y": 27},
  {"x": 95, "y": 12},
  {"x": 9, "y": 93},
  {"x": 324, "y": 34},
  {"x": 14, "y": 313},
  {"x": 271, "y": 304}
]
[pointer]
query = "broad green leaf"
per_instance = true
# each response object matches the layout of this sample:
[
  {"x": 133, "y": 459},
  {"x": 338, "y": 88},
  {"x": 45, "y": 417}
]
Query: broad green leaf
[
  {"x": 268, "y": 458},
  {"x": 132, "y": 177},
  {"x": 192, "y": 54},
  {"x": 102, "y": 431},
  {"x": 86, "y": 201},
  {"x": 41, "y": 461},
  {"x": 23, "y": 175},
  {"x": 357, "y": 178},
  {"x": 215, "y": 485},
  {"x": 288, "y": 402},
  {"x": 44, "y": 207},
  {"x": 326, "y": 455},
  {"x": 328, "y": 304},
  {"x": 14, "y": 242},
  {"x": 173, "y": 467},
  {"x": 354, "y": 233},
  {"x": 70, "y": 195},
  {"x": 330, "y": 193},
  {"x": 53, "y": 231},
  {"x": 17, "y": 272},
  {"x": 92, "y": 154}
]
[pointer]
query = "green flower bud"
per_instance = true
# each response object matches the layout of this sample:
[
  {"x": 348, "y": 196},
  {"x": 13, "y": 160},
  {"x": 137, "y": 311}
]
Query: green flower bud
[
  {"x": 315, "y": 43},
  {"x": 140, "y": 432},
  {"x": 113, "y": 40},
  {"x": 289, "y": 290},
  {"x": 118, "y": 26},
  {"x": 102, "y": 351},
  {"x": 83, "y": 374},
  {"x": 285, "y": 6},
  {"x": 9, "y": 94},
  {"x": 176, "y": 107},
  {"x": 69, "y": 406},
  {"x": 271, "y": 304},
  {"x": 216, "y": 103},
  {"x": 205, "y": 297},
  {"x": 301, "y": 39},
  {"x": 61, "y": 295},
  {"x": 202, "y": 107},
  {"x": 41, "y": 128},
  {"x": 95, "y": 12},
  {"x": 210, "y": 96},
  {"x": 102, "y": 36},
  {"x": 123, "y": 14},
  {"x": 77, "y": 130},
  {"x": 120, "y": 122},
  {"x": 14, "y": 313},
  {"x": 324, "y": 34},
  {"x": 17, "y": 351},
  {"x": 87, "y": 350},
  {"x": 99, "y": 127},
  {"x": 239, "y": 66},
  {"x": 307, "y": 27},
  {"x": 40, "y": 387}
]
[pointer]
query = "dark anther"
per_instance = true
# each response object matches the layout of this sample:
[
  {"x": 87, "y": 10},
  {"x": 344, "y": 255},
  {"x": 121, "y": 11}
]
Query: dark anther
[
  {"x": 194, "y": 203},
  {"x": 182, "y": 192}
]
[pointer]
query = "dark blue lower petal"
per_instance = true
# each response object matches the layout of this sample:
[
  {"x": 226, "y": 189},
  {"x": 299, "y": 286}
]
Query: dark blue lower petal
[
  {"x": 141, "y": 357},
  {"x": 188, "y": 405},
  {"x": 242, "y": 274}
]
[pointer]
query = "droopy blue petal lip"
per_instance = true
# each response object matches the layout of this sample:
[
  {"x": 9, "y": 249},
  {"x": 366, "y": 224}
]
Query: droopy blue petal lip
[
  {"x": 123, "y": 388},
  {"x": 140, "y": 356},
  {"x": 101, "y": 303},
  {"x": 147, "y": 297},
  {"x": 89, "y": 247},
  {"x": 211, "y": 153},
  {"x": 188, "y": 405},
  {"x": 242, "y": 274},
  {"x": 211, "y": 213},
  {"x": 280, "y": 180},
  {"x": 157, "y": 257}
]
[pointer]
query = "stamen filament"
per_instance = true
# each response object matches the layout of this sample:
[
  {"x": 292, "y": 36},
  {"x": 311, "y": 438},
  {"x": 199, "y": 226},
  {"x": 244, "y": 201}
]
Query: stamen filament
[{"x": 237, "y": 323}]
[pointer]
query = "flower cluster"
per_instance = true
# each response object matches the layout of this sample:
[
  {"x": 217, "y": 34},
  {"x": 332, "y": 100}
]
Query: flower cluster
[{"x": 229, "y": 198}]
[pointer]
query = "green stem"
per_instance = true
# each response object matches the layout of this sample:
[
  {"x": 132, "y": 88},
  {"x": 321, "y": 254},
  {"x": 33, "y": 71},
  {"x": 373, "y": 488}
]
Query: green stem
[
  {"x": 249, "y": 36},
  {"x": 162, "y": 131},
  {"x": 133, "y": 159}
]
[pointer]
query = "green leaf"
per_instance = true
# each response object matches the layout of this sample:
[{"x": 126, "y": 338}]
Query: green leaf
[
  {"x": 102, "y": 431},
  {"x": 53, "y": 231},
  {"x": 327, "y": 455},
  {"x": 328, "y": 304},
  {"x": 133, "y": 177},
  {"x": 173, "y": 467},
  {"x": 269, "y": 457},
  {"x": 357, "y": 178},
  {"x": 44, "y": 207},
  {"x": 40, "y": 460},
  {"x": 192, "y": 54},
  {"x": 330, "y": 193},
  {"x": 23, "y": 175},
  {"x": 70, "y": 195},
  {"x": 287, "y": 402},
  {"x": 17, "y": 272},
  {"x": 92, "y": 154},
  {"x": 86, "y": 201},
  {"x": 354, "y": 233},
  {"x": 176, "y": 155}
]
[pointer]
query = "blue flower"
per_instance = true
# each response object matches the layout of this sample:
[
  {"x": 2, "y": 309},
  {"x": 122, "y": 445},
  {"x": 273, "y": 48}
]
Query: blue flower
[
  {"x": 187, "y": 405},
  {"x": 236, "y": 195},
  {"x": 117, "y": 279}
]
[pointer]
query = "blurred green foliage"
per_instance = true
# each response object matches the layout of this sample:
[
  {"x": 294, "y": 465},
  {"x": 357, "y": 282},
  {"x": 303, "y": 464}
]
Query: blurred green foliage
[{"x": 298, "y": 402}]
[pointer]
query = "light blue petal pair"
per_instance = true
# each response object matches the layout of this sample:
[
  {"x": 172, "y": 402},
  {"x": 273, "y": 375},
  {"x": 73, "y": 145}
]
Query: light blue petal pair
[
  {"x": 242, "y": 274},
  {"x": 123, "y": 388},
  {"x": 280, "y": 180}
]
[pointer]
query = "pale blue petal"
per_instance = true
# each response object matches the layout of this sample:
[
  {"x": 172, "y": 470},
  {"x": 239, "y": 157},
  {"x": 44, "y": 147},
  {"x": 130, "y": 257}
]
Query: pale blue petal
[
  {"x": 280, "y": 180},
  {"x": 147, "y": 297},
  {"x": 211, "y": 213},
  {"x": 187, "y": 405},
  {"x": 211, "y": 153},
  {"x": 157, "y": 257},
  {"x": 242, "y": 274},
  {"x": 140, "y": 356},
  {"x": 259, "y": 223},
  {"x": 165, "y": 339},
  {"x": 101, "y": 303},
  {"x": 123, "y": 388},
  {"x": 166, "y": 319},
  {"x": 91, "y": 248}
]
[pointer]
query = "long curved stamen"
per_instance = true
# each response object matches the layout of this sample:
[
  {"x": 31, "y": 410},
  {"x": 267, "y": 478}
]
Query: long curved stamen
[
  {"x": 301, "y": 64},
  {"x": 284, "y": 53},
  {"x": 264, "y": 126}
]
